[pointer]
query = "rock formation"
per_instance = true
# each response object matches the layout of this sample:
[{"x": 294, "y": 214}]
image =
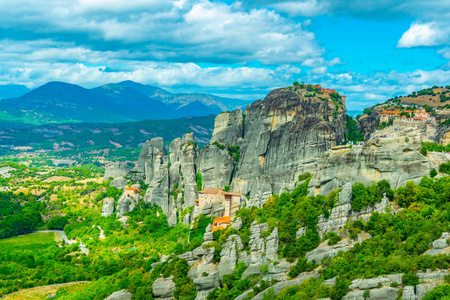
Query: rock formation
[
  {"x": 108, "y": 207},
  {"x": 120, "y": 295},
  {"x": 256, "y": 153},
  {"x": 128, "y": 200},
  {"x": 163, "y": 288},
  {"x": 394, "y": 160},
  {"x": 284, "y": 135},
  {"x": 440, "y": 245},
  {"x": 154, "y": 163},
  {"x": 119, "y": 169},
  {"x": 119, "y": 183}
]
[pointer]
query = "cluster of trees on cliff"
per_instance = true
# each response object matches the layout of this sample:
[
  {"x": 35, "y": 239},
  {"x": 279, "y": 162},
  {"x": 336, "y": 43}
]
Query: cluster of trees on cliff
[{"x": 397, "y": 246}]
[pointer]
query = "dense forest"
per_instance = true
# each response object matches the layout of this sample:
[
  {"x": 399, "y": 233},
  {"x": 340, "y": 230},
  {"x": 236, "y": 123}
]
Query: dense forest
[{"x": 19, "y": 214}]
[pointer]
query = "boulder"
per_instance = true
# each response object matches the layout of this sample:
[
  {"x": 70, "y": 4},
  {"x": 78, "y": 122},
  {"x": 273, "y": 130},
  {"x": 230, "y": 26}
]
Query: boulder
[
  {"x": 119, "y": 295},
  {"x": 163, "y": 288},
  {"x": 206, "y": 284},
  {"x": 236, "y": 223},
  {"x": 119, "y": 183}
]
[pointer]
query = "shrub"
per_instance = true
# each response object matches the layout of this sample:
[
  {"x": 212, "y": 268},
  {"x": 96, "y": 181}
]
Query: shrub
[
  {"x": 444, "y": 168},
  {"x": 424, "y": 151},
  {"x": 433, "y": 173},
  {"x": 199, "y": 181},
  {"x": 410, "y": 278}
]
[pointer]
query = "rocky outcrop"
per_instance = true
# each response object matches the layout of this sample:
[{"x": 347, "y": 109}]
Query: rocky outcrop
[
  {"x": 258, "y": 152},
  {"x": 386, "y": 293},
  {"x": 119, "y": 169},
  {"x": 324, "y": 251},
  {"x": 183, "y": 171},
  {"x": 387, "y": 286},
  {"x": 216, "y": 166},
  {"x": 171, "y": 176},
  {"x": 228, "y": 128},
  {"x": 127, "y": 202},
  {"x": 108, "y": 207},
  {"x": 385, "y": 281},
  {"x": 119, "y": 183},
  {"x": 163, "y": 288},
  {"x": 206, "y": 284},
  {"x": 278, "y": 287},
  {"x": 440, "y": 245},
  {"x": 154, "y": 163},
  {"x": 229, "y": 255},
  {"x": 284, "y": 136},
  {"x": 394, "y": 160},
  {"x": 120, "y": 295},
  {"x": 443, "y": 135}
]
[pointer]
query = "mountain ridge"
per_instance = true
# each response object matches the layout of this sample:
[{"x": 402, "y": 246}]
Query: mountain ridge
[{"x": 127, "y": 101}]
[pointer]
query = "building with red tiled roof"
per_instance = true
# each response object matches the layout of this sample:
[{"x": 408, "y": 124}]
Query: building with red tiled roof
[
  {"x": 231, "y": 201},
  {"x": 220, "y": 223},
  {"x": 132, "y": 192},
  {"x": 386, "y": 115}
]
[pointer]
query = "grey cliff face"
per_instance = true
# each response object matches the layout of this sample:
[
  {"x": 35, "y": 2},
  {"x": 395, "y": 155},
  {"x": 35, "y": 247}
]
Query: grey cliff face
[
  {"x": 108, "y": 207},
  {"x": 154, "y": 163},
  {"x": 183, "y": 156},
  {"x": 216, "y": 166},
  {"x": 228, "y": 128},
  {"x": 394, "y": 160},
  {"x": 170, "y": 174},
  {"x": 284, "y": 135}
]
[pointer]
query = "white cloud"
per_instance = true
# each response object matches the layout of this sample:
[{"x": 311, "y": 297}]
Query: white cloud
[
  {"x": 423, "y": 34},
  {"x": 199, "y": 31},
  {"x": 303, "y": 8},
  {"x": 320, "y": 70}
]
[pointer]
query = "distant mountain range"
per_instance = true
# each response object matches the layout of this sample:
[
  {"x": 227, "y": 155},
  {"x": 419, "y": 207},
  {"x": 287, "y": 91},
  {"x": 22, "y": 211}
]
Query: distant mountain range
[{"x": 59, "y": 102}]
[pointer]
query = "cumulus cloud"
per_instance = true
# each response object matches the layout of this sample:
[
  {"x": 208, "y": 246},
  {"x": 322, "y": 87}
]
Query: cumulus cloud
[
  {"x": 424, "y": 34},
  {"x": 183, "y": 31}
]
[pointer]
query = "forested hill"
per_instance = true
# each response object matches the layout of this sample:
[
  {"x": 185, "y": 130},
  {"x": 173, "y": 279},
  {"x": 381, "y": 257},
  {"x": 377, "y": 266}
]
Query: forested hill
[{"x": 59, "y": 102}]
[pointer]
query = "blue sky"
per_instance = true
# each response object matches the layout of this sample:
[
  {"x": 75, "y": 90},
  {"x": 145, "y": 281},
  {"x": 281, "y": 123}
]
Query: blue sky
[{"x": 367, "y": 50}]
